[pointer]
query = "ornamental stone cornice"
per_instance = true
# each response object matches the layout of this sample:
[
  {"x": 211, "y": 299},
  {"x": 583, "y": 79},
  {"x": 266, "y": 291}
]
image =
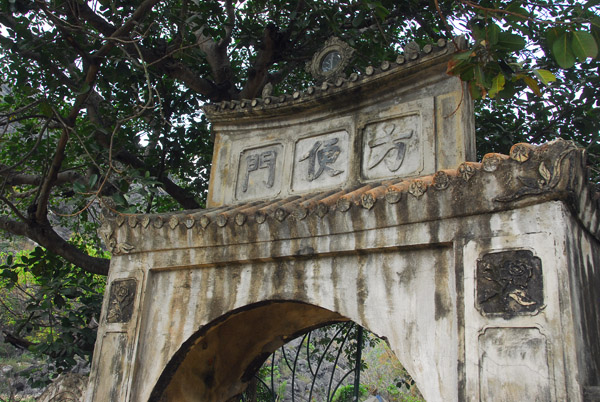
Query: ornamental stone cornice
[
  {"x": 529, "y": 175},
  {"x": 431, "y": 59}
]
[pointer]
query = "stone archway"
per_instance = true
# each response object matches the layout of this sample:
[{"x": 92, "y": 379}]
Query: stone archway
[
  {"x": 217, "y": 362},
  {"x": 360, "y": 197}
]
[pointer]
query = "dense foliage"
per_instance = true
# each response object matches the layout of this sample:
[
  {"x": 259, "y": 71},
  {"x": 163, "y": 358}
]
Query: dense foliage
[
  {"x": 100, "y": 100},
  {"x": 49, "y": 306}
]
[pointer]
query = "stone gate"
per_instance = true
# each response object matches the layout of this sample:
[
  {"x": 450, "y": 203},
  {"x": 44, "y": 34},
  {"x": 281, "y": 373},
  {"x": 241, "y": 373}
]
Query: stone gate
[{"x": 357, "y": 200}]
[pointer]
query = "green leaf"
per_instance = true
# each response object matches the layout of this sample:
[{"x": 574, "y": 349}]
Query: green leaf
[
  {"x": 129, "y": 210},
  {"x": 93, "y": 181},
  {"x": 358, "y": 20},
  {"x": 511, "y": 42},
  {"x": 474, "y": 90},
  {"x": 59, "y": 301},
  {"x": 119, "y": 199},
  {"x": 515, "y": 8},
  {"x": 497, "y": 85},
  {"x": 46, "y": 109},
  {"x": 79, "y": 188},
  {"x": 493, "y": 31},
  {"x": 544, "y": 76},
  {"x": 381, "y": 11},
  {"x": 595, "y": 25},
  {"x": 479, "y": 76},
  {"x": 584, "y": 45},
  {"x": 553, "y": 34},
  {"x": 463, "y": 55},
  {"x": 562, "y": 51}
]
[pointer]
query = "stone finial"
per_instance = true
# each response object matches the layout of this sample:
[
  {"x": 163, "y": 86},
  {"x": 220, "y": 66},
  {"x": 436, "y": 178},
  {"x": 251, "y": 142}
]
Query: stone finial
[
  {"x": 267, "y": 90},
  {"x": 189, "y": 221},
  {"x": 417, "y": 188},
  {"x": 411, "y": 50},
  {"x": 222, "y": 220},
  {"x": 240, "y": 218},
  {"x": 491, "y": 161},
  {"x": 330, "y": 61}
]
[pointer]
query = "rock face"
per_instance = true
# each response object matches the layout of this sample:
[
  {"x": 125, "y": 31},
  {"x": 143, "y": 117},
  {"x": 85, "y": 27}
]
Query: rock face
[
  {"x": 69, "y": 387},
  {"x": 359, "y": 202}
]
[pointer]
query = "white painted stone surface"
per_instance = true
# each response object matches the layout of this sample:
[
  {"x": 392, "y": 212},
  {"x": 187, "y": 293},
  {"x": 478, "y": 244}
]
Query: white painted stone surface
[
  {"x": 413, "y": 123},
  {"x": 413, "y": 284}
]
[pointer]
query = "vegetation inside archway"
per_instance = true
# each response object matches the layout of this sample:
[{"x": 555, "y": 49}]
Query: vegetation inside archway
[{"x": 341, "y": 362}]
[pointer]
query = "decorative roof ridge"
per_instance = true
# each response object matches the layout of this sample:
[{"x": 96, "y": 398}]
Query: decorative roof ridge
[
  {"x": 539, "y": 170},
  {"x": 412, "y": 57}
]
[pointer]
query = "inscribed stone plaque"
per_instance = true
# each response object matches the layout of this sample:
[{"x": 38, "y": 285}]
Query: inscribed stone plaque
[
  {"x": 509, "y": 283},
  {"x": 513, "y": 365},
  {"x": 321, "y": 161},
  {"x": 121, "y": 301},
  {"x": 393, "y": 147},
  {"x": 259, "y": 172}
]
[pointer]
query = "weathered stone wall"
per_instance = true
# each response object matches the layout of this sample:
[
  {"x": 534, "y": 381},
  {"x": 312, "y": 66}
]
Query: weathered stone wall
[
  {"x": 405, "y": 119},
  {"x": 583, "y": 253},
  {"x": 403, "y": 288},
  {"x": 481, "y": 278}
]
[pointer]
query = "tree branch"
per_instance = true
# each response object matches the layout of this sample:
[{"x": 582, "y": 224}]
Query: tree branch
[
  {"x": 257, "y": 75},
  {"x": 45, "y": 236},
  {"x": 16, "y": 341},
  {"x": 50, "y": 178},
  {"x": 19, "y": 179},
  {"x": 183, "y": 197}
]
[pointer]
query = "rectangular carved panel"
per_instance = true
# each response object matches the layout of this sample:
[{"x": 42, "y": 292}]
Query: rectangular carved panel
[
  {"x": 513, "y": 365},
  {"x": 121, "y": 300},
  {"x": 321, "y": 161},
  {"x": 260, "y": 172},
  {"x": 392, "y": 147},
  {"x": 509, "y": 283}
]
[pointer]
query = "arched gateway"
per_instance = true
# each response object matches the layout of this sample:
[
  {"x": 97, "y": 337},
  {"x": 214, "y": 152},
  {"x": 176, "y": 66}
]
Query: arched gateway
[{"x": 355, "y": 200}]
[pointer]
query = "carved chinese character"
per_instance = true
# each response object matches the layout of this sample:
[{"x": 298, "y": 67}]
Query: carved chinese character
[
  {"x": 389, "y": 148},
  {"x": 320, "y": 156},
  {"x": 263, "y": 160}
]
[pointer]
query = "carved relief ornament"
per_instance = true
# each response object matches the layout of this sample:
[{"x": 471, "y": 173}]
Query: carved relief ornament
[
  {"x": 509, "y": 283},
  {"x": 106, "y": 232},
  {"x": 330, "y": 61},
  {"x": 121, "y": 301}
]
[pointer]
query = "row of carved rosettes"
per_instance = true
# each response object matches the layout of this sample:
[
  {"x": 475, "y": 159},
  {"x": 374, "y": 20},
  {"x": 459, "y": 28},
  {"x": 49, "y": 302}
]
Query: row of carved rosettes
[
  {"x": 411, "y": 56},
  {"x": 545, "y": 167}
]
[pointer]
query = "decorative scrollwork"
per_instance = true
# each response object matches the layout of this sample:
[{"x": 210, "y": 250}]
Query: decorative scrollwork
[
  {"x": 117, "y": 248},
  {"x": 547, "y": 179}
]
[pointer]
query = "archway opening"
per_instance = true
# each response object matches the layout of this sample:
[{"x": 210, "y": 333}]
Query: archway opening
[
  {"x": 340, "y": 362},
  {"x": 225, "y": 357}
]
